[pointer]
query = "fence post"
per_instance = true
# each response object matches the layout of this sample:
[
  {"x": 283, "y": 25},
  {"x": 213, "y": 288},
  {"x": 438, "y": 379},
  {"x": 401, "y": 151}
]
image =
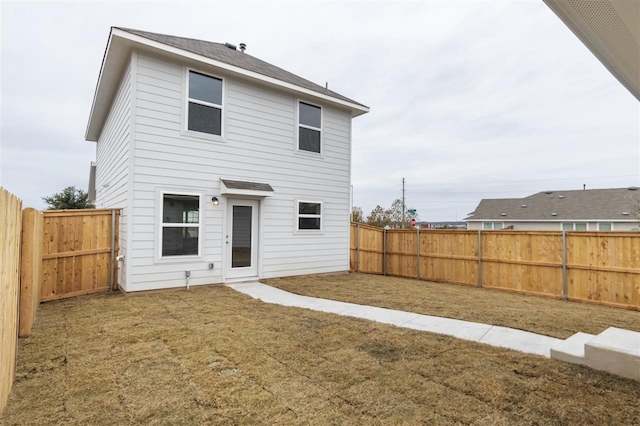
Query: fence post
[
  {"x": 418, "y": 253},
  {"x": 113, "y": 249},
  {"x": 358, "y": 247},
  {"x": 564, "y": 265},
  {"x": 384, "y": 252},
  {"x": 479, "y": 258}
]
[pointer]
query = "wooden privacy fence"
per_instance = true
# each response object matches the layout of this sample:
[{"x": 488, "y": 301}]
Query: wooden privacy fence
[
  {"x": 78, "y": 252},
  {"x": 595, "y": 267},
  {"x": 47, "y": 256}
]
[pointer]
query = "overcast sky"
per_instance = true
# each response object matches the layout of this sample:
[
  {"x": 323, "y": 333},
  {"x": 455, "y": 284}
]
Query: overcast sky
[{"x": 469, "y": 100}]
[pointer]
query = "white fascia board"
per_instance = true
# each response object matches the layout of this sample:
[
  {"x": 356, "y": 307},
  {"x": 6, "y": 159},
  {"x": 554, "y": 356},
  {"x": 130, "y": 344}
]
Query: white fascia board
[
  {"x": 359, "y": 109},
  {"x": 95, "y": 94}
]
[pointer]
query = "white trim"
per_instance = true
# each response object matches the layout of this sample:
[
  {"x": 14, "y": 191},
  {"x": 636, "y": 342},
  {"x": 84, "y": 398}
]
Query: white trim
[
  {"x": 320, "y": 129},
  {"x": 161, "y": 225},
  {"x": 170, "y": 49},
  {"x": 297, "y": 215},
  {"x": 130, "y": 168},
  {"x": 184, "y": 126}
]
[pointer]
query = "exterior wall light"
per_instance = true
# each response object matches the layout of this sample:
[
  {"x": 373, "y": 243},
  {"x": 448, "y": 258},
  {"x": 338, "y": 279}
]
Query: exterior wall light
[{"x": 215, "y": 201}]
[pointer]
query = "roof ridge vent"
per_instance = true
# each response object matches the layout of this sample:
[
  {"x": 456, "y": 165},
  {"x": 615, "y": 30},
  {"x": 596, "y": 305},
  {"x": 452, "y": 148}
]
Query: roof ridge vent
[
  {"x": 548, "y": 192},
  {"x": 633, "y": 188},
  {"x": 230, "y": 46}
]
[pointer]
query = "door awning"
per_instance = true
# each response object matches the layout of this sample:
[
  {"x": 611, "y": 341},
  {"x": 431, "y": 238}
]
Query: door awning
[{"x": 241, "y": 187}]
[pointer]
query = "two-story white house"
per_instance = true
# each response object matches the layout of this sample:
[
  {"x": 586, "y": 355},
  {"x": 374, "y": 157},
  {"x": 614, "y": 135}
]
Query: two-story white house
[{"x": 226, "y": 167}]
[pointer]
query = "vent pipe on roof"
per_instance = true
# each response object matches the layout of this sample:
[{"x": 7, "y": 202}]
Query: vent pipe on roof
[
  {"x": 584, "y": 186},
  {"x": 243, "y": 47}
]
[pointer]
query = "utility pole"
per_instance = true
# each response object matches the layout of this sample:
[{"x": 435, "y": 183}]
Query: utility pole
[{"x": 403, "y": 209}]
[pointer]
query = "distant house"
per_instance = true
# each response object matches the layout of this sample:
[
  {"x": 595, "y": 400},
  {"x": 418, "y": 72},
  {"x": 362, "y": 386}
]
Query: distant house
[
  {"x": 226, "y": 167},
  {"x": 615, "y": 209}
]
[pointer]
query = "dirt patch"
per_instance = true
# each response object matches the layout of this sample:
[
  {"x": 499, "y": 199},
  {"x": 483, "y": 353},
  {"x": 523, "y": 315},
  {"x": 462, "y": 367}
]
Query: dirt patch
[
  {"x": 540, "y": 315},
  {"x": 214, "y": 356}
]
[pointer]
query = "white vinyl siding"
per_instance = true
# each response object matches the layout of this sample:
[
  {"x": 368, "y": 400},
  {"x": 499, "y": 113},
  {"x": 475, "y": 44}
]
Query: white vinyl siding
[
  {"x": 112, "y": 160},
  {"x": 260, "y": 127}
]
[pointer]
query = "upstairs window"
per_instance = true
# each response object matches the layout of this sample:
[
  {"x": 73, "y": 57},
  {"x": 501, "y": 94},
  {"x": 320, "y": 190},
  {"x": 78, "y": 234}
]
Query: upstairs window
[
  {"x": 204, "y": 104},
  {"x": 309, "y": 216},
  {"x": 180, "y": 225},
  {"x": 309, "y": 127}
]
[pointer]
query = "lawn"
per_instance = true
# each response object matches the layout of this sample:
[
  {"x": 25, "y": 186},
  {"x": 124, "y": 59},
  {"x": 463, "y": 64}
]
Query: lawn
[
  {"x": 551, "y": 317},
  {"x": 212, "y": 355}
]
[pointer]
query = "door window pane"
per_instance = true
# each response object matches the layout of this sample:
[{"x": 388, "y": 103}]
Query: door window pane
[{"x": 241, "y": 237}]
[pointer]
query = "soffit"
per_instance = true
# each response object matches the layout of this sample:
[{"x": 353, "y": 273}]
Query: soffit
[{"x": 611, "y": 30}]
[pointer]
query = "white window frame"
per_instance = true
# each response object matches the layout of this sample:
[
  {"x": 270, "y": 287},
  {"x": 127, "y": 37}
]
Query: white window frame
[
  {"x": 573, "y": 225},
  {"x": 493, "y": 226},
  {"x": 185, "y": 107},
  {"x": 297, "y": 216},
  {"x": 320, "y": 129},
  {"x": 609, "y": 223},
  {"x": 162, "y": 225}
]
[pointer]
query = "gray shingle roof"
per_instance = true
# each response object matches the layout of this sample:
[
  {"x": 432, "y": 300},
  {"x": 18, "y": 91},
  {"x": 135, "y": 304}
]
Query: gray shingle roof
[
  {"x": 590, "y": 204},
  {"x": 240, "y": 184},
  {"x": 220, "y": 52}
]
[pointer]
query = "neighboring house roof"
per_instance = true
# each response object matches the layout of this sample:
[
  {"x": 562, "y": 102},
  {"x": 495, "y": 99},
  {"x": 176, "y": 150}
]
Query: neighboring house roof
[
  {"x": 590, "y": 204},
  {"x": 123, "y": 40},
  {"x": 611, "y": 30}
]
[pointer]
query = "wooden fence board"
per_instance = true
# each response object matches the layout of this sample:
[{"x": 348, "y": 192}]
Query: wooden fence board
[
  {"x": 601, "y": 267},
  {"x": 30, "y": 268},
  {"x": 10, "y": 236}
]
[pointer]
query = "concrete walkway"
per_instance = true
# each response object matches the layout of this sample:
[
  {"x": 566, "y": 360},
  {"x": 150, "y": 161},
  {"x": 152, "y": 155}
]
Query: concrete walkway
[{"x": 493, "y": 335}]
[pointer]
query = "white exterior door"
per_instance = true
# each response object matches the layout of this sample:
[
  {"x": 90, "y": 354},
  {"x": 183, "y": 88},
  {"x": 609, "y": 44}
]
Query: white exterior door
[{"x": 242, "y": 239}]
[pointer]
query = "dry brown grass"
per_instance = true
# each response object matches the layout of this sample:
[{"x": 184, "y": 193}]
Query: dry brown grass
[
  {"x": 540, "y": 315},
  {"x": 214, "y": 356}
]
